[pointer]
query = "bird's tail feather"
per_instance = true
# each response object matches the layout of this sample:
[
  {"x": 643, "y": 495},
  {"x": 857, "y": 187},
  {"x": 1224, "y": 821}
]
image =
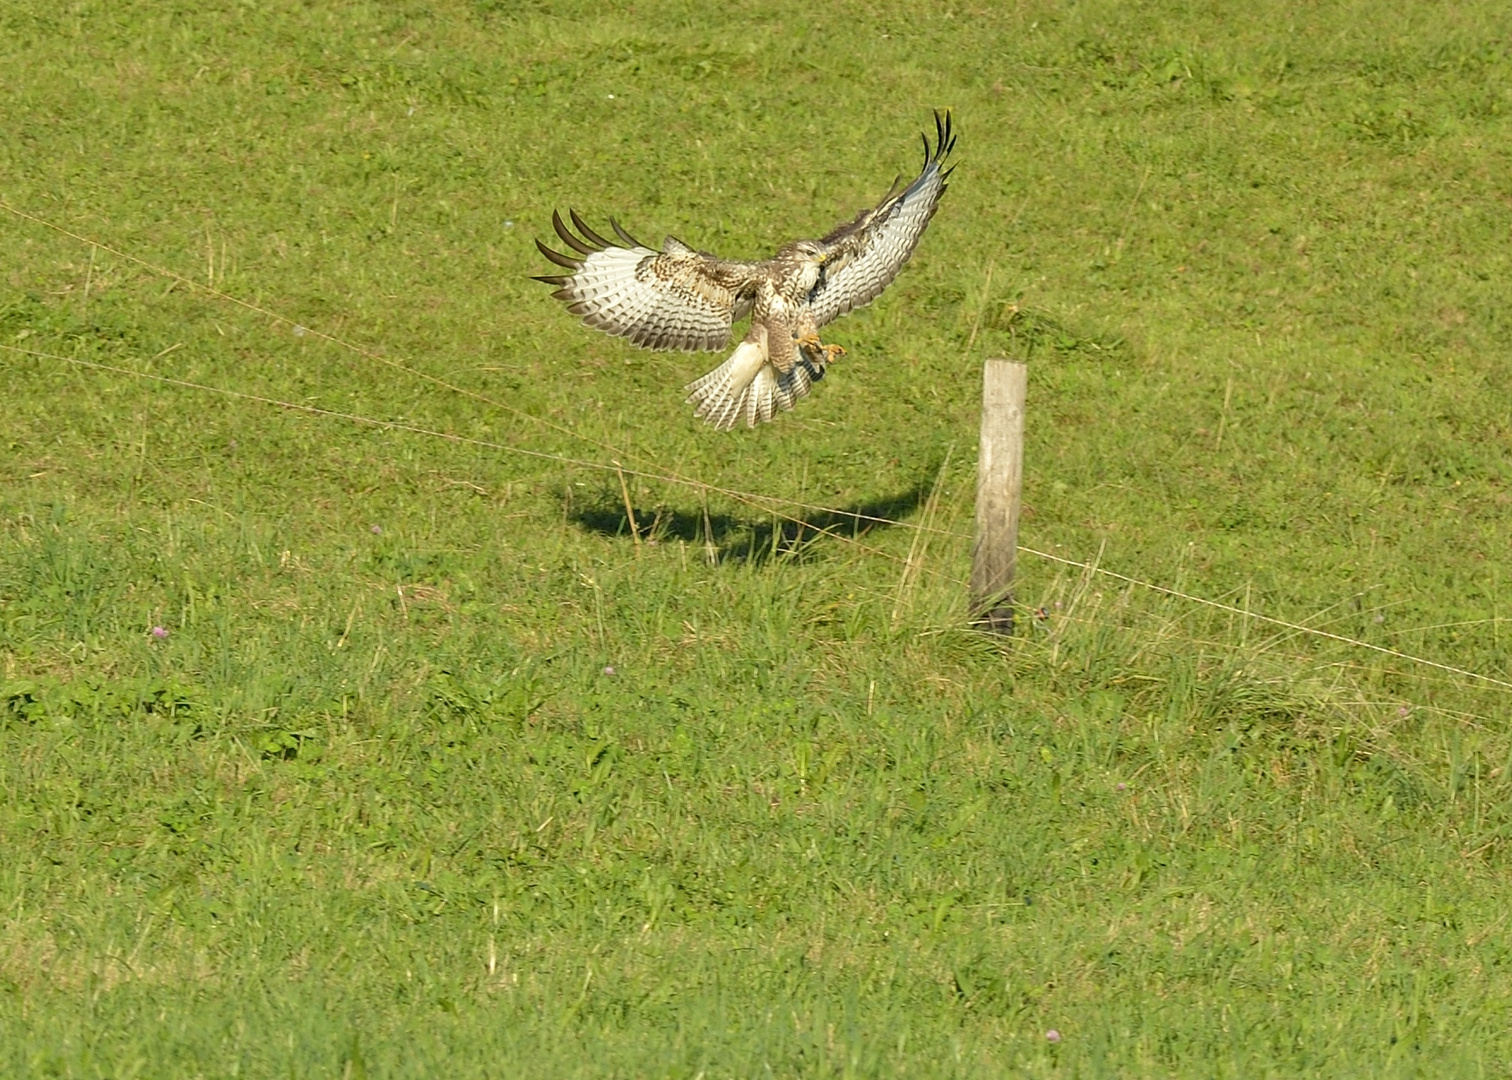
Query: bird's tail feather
[{"x": 748, "y": 388}]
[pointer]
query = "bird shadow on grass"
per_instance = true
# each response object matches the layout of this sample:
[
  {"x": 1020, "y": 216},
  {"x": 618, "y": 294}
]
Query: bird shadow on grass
[{"x": 756, "y": 538}]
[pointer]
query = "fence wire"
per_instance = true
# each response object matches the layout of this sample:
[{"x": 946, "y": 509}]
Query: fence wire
[{"x": 655, "y": 471}]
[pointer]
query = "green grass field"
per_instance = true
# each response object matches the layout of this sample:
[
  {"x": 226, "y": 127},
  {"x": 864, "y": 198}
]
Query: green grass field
[{"x": 441, "y": 770}]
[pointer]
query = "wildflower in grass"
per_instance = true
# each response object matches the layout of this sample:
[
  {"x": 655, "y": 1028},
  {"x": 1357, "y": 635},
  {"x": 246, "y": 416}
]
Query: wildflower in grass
[
  {"x": 160, "y": 632},
  {"x": 377, "y": 530},
  {"x": 608, "y": 669},
  {"x": 1052, "y": 1036},
  {"x": 1123, "y": 787}
]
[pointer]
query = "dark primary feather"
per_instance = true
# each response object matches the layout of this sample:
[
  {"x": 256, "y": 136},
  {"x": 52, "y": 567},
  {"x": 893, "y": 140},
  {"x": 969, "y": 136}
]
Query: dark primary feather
[
  {"x": 623, "y": 235},
  {"x": 592, "y": 236},
  {"x": 566, "y": 234},
  {"x": 558, "y": 258}
]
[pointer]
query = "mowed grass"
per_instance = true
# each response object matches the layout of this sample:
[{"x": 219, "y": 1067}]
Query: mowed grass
[{"x": 442, "y": 769}]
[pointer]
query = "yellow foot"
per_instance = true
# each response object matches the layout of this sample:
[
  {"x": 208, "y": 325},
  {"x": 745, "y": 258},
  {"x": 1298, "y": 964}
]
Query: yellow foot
[{"x": 812, "y": 346}]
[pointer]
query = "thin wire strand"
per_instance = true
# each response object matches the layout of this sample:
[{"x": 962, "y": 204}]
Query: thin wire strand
[
  {"x": 395, "y": 425},
  {"x": 366, "y": 353},
  {"x": 1297, "y": 627},
  {"x": 750, "y": 498},
  {"x": 675, "y": 477}
]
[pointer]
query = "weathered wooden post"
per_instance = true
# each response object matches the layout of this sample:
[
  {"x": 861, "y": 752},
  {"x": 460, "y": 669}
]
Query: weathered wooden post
[{"x": 1000, "y": 480}]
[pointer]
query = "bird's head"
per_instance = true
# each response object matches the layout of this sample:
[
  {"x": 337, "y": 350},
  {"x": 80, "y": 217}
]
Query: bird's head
[{"x": 809, "y": 258}]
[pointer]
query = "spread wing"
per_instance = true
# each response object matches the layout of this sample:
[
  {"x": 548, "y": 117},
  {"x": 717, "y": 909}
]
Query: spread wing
[
  {"x": 676, "y": 298},
  {"x": 864, "y": 255}
]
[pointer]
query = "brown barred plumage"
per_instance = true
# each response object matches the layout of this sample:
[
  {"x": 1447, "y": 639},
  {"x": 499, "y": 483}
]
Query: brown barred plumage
[{"x": 679, "y": 298}]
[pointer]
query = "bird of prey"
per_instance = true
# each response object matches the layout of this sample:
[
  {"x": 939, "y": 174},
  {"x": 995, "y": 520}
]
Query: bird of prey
[{"x": 679, "y": 298}]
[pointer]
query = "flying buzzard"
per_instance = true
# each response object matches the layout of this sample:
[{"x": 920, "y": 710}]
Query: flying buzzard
[{"x": 679, "y": 298}]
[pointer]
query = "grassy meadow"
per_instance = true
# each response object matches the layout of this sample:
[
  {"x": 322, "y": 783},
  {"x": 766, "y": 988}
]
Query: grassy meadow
[{"x": 437, "y": 766}]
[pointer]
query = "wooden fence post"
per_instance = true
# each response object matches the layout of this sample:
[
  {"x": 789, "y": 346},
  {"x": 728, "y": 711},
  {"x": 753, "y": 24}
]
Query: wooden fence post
[{"x": 1000, "y": 478}]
